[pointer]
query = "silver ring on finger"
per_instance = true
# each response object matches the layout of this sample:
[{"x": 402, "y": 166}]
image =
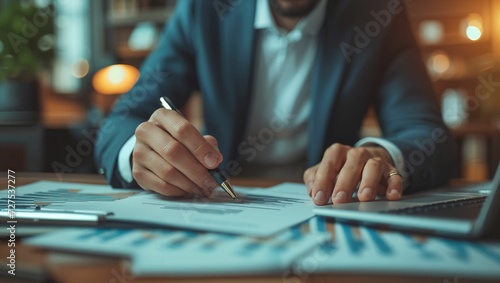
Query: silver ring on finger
[{"x": 393, "y": 174}]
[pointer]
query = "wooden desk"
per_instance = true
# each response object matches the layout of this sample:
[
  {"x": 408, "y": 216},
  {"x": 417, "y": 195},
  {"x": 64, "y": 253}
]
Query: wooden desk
[{"x": 61, "y": 267}]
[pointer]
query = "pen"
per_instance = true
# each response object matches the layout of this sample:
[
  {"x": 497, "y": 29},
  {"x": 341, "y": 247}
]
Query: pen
[{"x": 216, "y": 173}]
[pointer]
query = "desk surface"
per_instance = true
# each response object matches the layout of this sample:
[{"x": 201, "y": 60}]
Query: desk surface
[{"x": 61, "y": 267}]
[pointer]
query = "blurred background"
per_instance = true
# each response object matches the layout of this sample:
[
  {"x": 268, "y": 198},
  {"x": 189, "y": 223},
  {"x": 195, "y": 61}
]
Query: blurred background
[{"x": 64, "y": 62}]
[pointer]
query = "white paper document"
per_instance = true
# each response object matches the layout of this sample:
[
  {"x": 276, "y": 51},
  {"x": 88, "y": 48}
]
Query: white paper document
[
  {"x": 260, "y": 212},
  {"x": 176, "y": 252}
]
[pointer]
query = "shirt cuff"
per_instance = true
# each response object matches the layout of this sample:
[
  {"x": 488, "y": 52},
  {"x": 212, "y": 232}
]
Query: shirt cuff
[
  {"x": 394, "y": 152},
  {"x": 124, "y": 160}
]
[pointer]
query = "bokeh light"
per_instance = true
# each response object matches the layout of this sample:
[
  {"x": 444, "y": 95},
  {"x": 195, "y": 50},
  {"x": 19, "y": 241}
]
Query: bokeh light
[
  {"x": 473, "y": 33},
  {"x": 473, "y": 27},
  {"x": 431, "y": 32},
  {"x": 439, "y": 63},
  {"x": 80, "y": 68},
  {"x": 115, "y": 79}
]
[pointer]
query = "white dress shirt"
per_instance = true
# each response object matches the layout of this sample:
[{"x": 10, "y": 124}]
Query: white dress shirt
[
  {"x": 281, "y": 88},
  {"x": 281, "y": 105}
]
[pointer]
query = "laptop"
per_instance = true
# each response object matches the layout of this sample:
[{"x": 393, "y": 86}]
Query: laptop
[{"x": 465, "y": 212}]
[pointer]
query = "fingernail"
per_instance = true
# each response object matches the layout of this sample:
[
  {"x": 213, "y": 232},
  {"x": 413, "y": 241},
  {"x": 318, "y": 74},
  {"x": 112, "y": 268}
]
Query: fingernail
[
  {"x": 395, "y": 192},
  {"x": 319, "y": 197},
  {"x": 309, "y": 188},
  {"x": 368, "y": 192},
  {"x": 209, "y": 184},
  {"x": 341, "y": 196},
  {"x": 210, "y": 160}
]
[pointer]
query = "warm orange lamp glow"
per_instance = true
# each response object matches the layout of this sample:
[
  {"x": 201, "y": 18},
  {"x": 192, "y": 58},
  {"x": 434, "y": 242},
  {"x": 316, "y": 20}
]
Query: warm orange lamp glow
[{"x": 115, "y": 79}]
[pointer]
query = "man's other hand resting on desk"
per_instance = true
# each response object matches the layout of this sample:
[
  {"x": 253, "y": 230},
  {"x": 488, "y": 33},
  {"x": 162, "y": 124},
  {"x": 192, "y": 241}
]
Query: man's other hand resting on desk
[{"x": 343, "y": 167}]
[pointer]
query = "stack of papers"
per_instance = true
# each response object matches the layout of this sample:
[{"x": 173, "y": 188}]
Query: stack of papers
[
  {"x": 296, "y": 253},
  {"x": 177, "y": 252}
]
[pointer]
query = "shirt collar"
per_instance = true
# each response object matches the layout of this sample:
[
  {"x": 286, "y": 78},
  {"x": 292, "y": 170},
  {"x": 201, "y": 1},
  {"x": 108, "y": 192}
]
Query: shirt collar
[{"x": 311, "y": 24}]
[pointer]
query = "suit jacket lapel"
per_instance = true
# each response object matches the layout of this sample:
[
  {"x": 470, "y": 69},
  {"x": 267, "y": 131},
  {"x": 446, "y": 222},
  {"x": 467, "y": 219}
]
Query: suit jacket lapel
[{"x": 327, "y": 76}]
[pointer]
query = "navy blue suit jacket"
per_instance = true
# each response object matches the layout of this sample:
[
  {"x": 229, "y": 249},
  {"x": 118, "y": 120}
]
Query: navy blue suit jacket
[{"x": 205, "y": 48}]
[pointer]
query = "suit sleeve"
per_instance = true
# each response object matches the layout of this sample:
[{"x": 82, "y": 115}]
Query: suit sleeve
[
  {"x": 408, "y": 111},
  {"x": 169, "y": 70}
]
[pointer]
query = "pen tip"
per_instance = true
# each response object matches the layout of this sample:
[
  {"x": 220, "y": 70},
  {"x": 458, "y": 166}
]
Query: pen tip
[{"x": 229, "y": 190}]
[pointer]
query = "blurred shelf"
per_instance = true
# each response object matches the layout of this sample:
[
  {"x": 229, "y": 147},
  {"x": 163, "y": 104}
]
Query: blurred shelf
[
  {"x": 455, "y": 80},
  {"x": 458, "y": 43},
  {"x": 477, "y": 127},
  {"x": 420, "y": 9},
  {"x": 124, "y": 52},
  {"x": 480, "y": 161},
  {"x": 159, "y": 16},
  {"x": 63, "y": 120},
  {"x": 121, "y": 17}
]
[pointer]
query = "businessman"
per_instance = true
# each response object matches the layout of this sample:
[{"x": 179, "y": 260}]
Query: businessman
[{"x": 286, "y": 85}]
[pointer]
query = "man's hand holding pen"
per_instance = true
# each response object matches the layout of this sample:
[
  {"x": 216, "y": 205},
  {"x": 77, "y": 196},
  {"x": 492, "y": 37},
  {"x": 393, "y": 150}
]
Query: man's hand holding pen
[{"x": 171, "y": 157}]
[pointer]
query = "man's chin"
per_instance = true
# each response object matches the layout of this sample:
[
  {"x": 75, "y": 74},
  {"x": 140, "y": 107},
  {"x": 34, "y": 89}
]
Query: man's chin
[{"x": 293, "y": 8}]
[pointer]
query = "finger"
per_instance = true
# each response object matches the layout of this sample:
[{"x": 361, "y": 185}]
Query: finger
[
  {"x": 370, "y": 181},
  {"x": 350, "y": 175},
  {"x": 149, "y": 159},
  {"x": 212, "y": 141},
  {"x": 149, "y": 181},
  {"x": 394, "y": 186},
  {"x": 324, "y": 181},
  {"x": 309, "y": 175},
  {"x": 175, "y": 154},
  {"x": 184, "y": 132}
]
